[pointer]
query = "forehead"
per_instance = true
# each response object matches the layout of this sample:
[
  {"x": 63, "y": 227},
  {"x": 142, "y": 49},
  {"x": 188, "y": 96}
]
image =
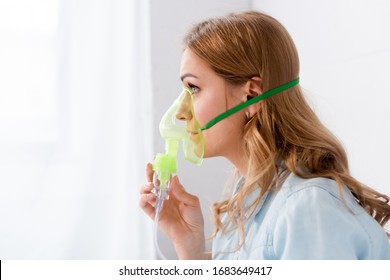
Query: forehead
[{"x": 193, "y": 64}]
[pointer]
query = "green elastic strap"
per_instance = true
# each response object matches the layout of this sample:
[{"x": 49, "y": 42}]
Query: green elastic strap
[{"x": 250, "y": 102}]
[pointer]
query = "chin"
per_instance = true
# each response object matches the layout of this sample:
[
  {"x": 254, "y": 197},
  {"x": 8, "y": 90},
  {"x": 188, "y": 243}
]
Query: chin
[{"x": 209, "y": 155}]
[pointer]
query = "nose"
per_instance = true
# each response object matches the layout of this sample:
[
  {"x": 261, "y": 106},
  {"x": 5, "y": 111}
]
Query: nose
[
  {"x": 184, "y": 111},
  {"x": 183, "y": 114}
]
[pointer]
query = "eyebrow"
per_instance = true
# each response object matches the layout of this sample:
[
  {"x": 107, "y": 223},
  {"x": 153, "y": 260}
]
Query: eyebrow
[{"x": 188, "y": 75}]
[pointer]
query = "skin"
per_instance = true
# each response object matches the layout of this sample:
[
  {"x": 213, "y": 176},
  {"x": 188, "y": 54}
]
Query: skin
[{"x": 181, "y": 218}]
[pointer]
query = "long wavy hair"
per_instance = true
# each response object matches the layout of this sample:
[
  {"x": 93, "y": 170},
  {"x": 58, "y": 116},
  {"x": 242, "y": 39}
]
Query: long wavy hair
[{"x": 285, "y": 135}]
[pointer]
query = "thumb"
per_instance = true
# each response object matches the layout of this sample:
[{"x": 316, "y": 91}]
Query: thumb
[{"x": 181, "y": 195}]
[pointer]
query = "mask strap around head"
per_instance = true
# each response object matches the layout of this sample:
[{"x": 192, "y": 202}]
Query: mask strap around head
[{"x": 250, "y": 102}]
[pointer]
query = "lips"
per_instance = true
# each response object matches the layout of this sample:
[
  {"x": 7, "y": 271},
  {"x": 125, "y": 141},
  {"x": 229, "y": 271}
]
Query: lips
[{"x": 191, "y": 132}]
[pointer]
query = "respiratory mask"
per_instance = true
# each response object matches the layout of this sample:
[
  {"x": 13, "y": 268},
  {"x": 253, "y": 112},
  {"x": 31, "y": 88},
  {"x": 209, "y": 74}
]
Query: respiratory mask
[{"x": 173, "y": 130}]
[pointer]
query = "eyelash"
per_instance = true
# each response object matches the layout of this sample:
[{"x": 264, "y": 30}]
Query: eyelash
[{"x": 193, "y": 88}]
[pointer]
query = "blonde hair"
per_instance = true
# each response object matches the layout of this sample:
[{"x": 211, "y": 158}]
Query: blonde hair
[{"x": 285, "y": 135}]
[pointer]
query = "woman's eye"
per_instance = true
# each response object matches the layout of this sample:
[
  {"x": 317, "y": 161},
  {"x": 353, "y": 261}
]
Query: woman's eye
[{"x": 193, "y": 88}]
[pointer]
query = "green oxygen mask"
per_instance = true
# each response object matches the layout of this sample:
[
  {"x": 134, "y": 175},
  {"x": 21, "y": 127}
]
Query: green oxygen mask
[{"x": 178, "y": 125}]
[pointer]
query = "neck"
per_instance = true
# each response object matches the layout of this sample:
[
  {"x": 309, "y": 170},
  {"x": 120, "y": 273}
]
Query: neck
[{"x": 239, "y": 160}]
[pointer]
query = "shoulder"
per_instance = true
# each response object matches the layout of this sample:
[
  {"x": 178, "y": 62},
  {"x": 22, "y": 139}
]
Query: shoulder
[
  {"x": 316, "y": 201},
  {"x": 315, "y": 219},
  {"x": 295, "y": 186},
  {"x": 317, "y": 193}
]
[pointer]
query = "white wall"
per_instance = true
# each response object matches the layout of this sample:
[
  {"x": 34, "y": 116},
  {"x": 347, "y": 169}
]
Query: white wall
[{"x": 345, "y": 53}]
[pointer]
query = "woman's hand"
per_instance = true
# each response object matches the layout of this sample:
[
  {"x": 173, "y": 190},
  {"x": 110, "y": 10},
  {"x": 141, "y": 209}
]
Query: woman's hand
[{"x": 181, "y": 218}]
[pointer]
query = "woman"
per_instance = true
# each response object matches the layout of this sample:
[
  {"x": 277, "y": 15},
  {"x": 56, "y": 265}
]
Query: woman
[{"x": 294, "y": 197}]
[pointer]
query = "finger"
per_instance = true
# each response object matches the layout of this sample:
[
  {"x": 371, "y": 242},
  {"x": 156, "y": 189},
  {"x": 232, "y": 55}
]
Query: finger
[
  {"x": 147, "y": 203},
  {"x": 147, "y": 198},
  {"x": 146, "y": 188},
  {"x": 182, "y": 195},
  {"x": 149, "y": 210},
  {"x": 149, "y": 172}
]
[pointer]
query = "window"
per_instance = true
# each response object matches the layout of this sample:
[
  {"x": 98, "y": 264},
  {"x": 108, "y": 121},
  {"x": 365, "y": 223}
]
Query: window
[{"x": 28, "y": 70}]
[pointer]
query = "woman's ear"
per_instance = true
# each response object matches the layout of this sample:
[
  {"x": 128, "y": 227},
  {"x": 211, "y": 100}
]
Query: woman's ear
[{"x": 253, "y": 88}]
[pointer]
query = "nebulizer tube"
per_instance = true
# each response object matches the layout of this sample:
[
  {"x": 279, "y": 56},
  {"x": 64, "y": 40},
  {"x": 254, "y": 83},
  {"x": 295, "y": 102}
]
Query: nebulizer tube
[
  {"x": 161, "y": 195},
  {"x": 159, "y": 206}
]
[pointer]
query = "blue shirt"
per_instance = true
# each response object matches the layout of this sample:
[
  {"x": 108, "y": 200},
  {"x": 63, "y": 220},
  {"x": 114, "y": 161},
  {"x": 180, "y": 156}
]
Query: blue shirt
[{"x": 305, "y": 219}]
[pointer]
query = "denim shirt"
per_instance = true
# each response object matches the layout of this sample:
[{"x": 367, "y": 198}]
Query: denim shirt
[{"x": 305, "y": 219}]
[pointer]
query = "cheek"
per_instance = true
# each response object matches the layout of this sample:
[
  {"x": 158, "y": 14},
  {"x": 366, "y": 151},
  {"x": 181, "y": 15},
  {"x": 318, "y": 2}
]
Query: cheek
[
  {"x": 213, "y": 137},
  {"x": 208, "y": 109},
  {"x": 200, "y": 112}
]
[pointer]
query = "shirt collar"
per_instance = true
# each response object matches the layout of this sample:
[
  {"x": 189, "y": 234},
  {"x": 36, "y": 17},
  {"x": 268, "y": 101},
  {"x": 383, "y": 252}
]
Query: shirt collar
[{"x": 251, "y": 197}]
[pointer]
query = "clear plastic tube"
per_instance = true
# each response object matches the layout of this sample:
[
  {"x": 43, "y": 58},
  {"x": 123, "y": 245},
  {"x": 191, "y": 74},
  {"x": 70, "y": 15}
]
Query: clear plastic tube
[
  {"x": 161, "y": 193},
  {"x": 159, "y": 206}
]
